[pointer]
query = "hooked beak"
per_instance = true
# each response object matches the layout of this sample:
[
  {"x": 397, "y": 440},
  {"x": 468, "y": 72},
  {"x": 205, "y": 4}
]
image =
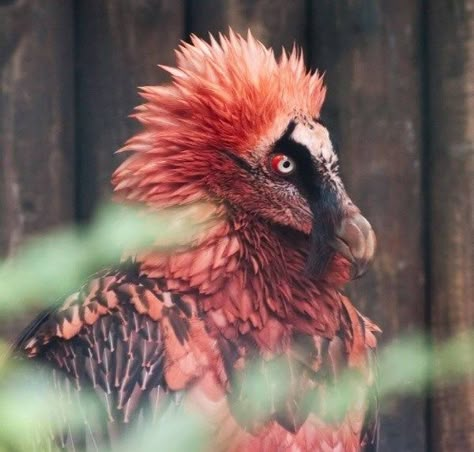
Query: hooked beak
[
  {"x": 355, "y": 240},
  {"x": 338, "y": 226}
]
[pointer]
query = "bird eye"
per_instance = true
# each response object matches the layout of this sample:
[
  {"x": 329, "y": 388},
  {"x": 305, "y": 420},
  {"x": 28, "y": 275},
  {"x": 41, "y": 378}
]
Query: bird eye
[{"x": 282, "y": 164}]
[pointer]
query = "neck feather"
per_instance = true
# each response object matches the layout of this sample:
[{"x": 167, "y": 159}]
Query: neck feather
[{"x": 247, "y": 272}]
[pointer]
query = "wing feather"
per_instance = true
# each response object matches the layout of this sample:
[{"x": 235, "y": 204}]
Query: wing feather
[
  {"x": 109, "y": 337},
  {"x": 137, "y": 345}
]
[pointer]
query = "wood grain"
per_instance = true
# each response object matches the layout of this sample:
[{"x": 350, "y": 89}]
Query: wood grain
[
  {"x": 276, "y": 23},
  {"x": 451, "y": 70},
  {"x": 119, "y": 44},
  {"x": 370, "y": 51},
  {"x": 36, "y": 123},
  {"x": 36, "y": 119}
]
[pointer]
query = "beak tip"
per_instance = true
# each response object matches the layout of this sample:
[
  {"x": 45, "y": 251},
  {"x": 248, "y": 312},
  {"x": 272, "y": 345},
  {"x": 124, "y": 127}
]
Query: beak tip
[{"x": 359, "y": 269}]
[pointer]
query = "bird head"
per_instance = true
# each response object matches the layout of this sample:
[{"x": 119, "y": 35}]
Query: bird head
[{"x": 240, "y": 127}]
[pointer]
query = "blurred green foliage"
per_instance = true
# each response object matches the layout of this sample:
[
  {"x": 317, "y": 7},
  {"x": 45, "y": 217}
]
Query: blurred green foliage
[{"x": 50, "y": 266}]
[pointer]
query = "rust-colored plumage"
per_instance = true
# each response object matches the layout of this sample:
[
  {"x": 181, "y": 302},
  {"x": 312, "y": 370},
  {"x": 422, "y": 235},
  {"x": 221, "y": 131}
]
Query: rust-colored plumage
[{"x": 236, "y": 137}]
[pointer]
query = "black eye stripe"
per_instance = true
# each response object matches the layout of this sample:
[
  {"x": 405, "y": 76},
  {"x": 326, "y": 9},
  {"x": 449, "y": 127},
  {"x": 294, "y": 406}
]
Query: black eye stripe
[
  {"x": 305, "y": 177},
  {"x": 289, "y": 130}
]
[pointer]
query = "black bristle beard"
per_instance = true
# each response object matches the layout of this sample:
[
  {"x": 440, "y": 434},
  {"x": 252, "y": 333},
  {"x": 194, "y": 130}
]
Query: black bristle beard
[{"x": 327, "y": 216}]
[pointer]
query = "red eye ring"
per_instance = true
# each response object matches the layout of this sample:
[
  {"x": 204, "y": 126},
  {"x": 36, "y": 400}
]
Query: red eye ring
[{"x": 282, "y": 164}]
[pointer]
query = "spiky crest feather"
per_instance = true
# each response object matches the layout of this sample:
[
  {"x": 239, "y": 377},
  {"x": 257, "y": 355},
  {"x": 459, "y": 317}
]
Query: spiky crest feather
[{"x": 225, "y": 95}]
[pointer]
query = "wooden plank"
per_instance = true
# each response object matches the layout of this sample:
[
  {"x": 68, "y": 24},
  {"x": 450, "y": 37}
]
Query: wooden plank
[
  {"x": 275, "y": 22},
  {"x": 119, "y": 44},
  {"x": 370, "y": 51},
  {"x": 451, "y": 70},
  {"x": 36, "y": 121}
]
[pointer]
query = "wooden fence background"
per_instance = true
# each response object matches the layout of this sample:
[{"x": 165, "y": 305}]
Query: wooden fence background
[{"x": 401, "y": 100}]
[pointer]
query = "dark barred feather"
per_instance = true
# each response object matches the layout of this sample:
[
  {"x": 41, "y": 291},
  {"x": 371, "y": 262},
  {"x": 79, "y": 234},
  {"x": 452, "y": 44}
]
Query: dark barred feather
[{"x": 107, "y": 348}]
